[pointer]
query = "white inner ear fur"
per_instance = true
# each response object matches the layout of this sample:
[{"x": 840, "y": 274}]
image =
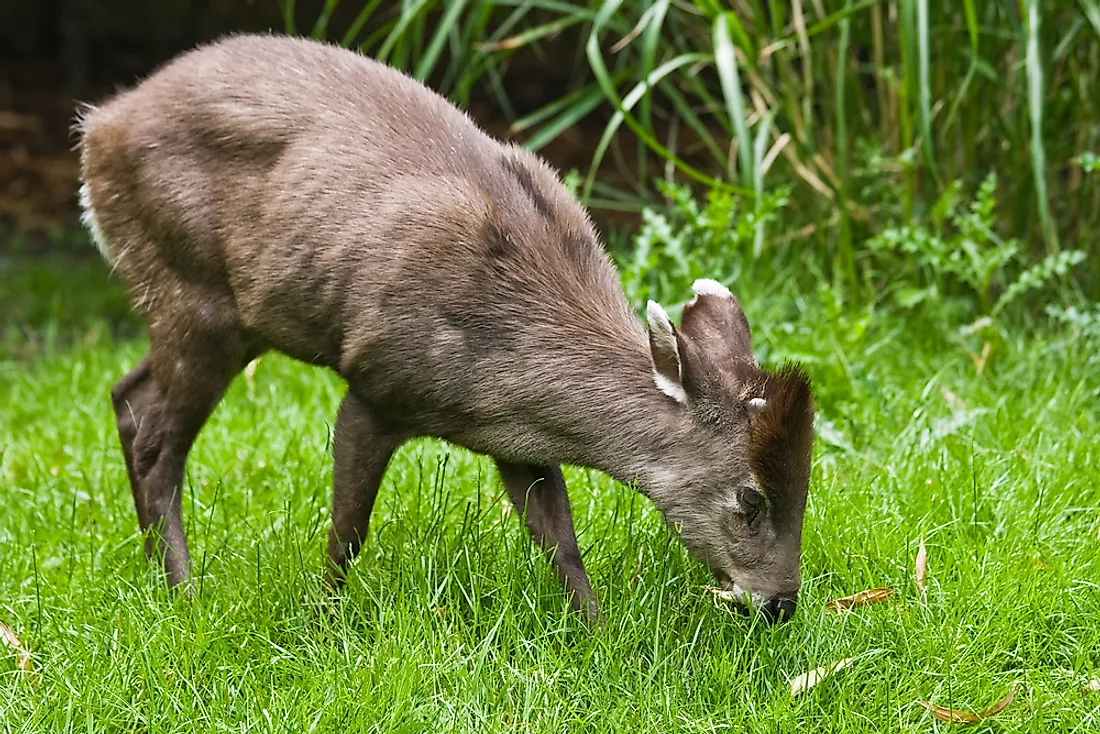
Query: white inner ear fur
[
  {"x": 755, "y": 406},
  {"x": 708, "y": 287},
  {"x": 660, "y": 327},
  {"x": 670, "y": 388}
]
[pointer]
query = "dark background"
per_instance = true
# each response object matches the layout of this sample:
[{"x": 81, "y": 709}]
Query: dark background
[
  {"x": 57, "y": 53},
  {"x": 54, "y": 53}
]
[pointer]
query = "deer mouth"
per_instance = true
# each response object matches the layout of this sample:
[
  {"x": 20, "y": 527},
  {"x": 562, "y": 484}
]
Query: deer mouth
[{"x": 772, "y": 609}]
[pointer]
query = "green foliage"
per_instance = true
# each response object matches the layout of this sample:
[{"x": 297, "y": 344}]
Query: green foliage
[
  {"x": 949, "y": 275},
  {"x": 1089, "y": 161},
  {"x": 771, "y": 94},
  {"x": 1041, "y": 275},
  {"x": 452, "y": 44},
  {"x": 956, "y": 261},
  {"x": 952, "y": 267},
  {"x": 1085, "y": 322},
  {"x": 45, "y": 306},
  {"x": 684, "y": 241}
]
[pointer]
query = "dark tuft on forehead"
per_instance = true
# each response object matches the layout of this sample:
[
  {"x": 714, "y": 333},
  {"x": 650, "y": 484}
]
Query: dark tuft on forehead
[{"x": 781, "y": 436}]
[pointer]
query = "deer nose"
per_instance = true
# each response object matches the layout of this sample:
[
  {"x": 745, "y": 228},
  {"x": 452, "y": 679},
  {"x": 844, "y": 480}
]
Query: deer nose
[{"x": 779, "y": 609}]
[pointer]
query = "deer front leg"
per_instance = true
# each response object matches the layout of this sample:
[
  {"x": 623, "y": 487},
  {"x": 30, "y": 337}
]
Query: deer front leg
[
  {"x": 539, "y": 493},
  {"x": 361, "y": 450}
]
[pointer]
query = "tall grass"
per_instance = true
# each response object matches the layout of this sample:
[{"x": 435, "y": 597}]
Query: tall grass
[{"x": 867, "y": 109}]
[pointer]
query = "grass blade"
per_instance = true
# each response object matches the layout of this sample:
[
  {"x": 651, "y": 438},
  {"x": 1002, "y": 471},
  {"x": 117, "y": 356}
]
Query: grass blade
[
  {"x": 558, "y": 107},
  {"x": 806, "y": 60},
  {"x": 844, "y": 246},
  {"x": 972, "y": 32},
  {"x": 760, "y": 149},
  {"x": 831, "y": 20},
  {"x": 622, "y": 115},
  {"x": 726, "y": 61},
  {"x": 744, "y": 40},
  {"x": 427, "y": 62},
  {"x": 530, "y": 35},
  {"x": 320, "y": 26},
  {"x": 650, "y": 43},
  {"x": 1034, "y": 67},
  {"x": 579, "y": 104},
  {"x": 287, "y": 8},
  {"x": 924, "y": 94},
  {"x": 398, "y": 35},
  {"x": 360, "y": 20},
  {"x": 687, "y": 115},
  {"x": 1091, "y": 9},
  {"x": 906, "y": 23}
]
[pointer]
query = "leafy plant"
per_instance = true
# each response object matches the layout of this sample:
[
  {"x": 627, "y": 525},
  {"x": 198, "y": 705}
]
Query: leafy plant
[
  {"x": 685, "y": 240},
  {"x": 1083, "y": 321},
  {"x": 1089, "y": 162},
  {"x": 956, "y": 260},
  {"x": 1043, "y": 273}
]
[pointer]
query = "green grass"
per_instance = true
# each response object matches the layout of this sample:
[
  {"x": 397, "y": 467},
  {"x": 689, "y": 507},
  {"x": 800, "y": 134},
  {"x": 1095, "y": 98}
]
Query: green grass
[{"x": 452, "y": 621}]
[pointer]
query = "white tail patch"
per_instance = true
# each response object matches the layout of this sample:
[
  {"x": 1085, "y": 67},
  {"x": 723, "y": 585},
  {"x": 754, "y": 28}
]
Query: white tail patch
[
  {"x": 708, "y": 287},
  {"x": 755, "y": 406},
  {"x": 92, "y": 224}
]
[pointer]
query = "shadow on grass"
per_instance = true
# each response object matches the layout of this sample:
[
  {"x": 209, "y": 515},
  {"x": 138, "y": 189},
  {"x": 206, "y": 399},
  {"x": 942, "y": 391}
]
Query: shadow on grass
[{"x": 58, "y": 299}]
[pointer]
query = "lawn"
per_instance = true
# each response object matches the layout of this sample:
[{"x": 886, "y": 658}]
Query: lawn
[{"x": 453, "y": 621}]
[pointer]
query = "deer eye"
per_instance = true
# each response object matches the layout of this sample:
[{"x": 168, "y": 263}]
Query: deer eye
[{"x": 752, "y": 503}]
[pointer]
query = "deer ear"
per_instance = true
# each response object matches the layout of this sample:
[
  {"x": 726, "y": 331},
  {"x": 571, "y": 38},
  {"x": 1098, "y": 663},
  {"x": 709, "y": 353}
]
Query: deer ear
[
  {"x": 665, "y": 349},
  {"x": 714, "y": 320}
]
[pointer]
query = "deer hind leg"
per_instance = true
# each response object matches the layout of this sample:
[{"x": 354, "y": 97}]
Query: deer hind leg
[
  {"x": 539, "y": 493},
  {"x": 161, "y": 405}
]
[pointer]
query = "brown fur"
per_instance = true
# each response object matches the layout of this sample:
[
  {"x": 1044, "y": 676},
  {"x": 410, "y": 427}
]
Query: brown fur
[
  {"x": 781, "y": 437},
  {"x": 272, "y": 193}
]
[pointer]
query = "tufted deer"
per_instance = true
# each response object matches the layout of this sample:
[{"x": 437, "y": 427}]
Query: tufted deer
[{"x": 266, "y": 193}]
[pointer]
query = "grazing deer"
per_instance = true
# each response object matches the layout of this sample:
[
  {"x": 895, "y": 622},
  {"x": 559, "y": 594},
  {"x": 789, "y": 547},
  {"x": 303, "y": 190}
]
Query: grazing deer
[{"x": 266, "y": 192}]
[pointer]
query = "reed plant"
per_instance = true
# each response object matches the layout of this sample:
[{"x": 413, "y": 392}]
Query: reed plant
[{"x": 868, "y": 110}]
